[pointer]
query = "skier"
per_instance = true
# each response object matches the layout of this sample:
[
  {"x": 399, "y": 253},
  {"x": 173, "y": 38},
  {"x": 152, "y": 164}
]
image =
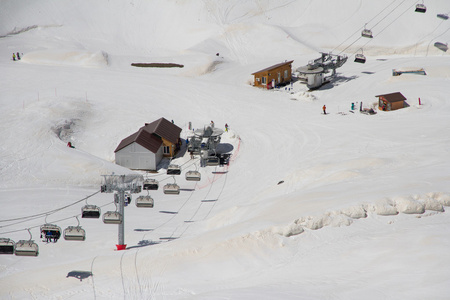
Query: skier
[
  {"x": 324, "y": 109},
  {"x": 226, "y": 127},
  {"x": 18, "y": 56},
  {"x": 14, "y": 56}
]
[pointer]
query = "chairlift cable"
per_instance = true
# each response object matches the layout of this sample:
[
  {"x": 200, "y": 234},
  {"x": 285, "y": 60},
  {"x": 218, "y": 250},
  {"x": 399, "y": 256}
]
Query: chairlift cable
[
  {"x": 359, "y": 29},
  {"x": 385, "y": 26},
  {"x": 51, "y": 211}
]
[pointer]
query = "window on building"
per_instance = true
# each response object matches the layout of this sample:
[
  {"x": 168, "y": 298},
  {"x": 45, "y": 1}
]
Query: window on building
[
  {"x": 263, "y": 80},
  {"x": 166, "y": 150},
  {"x": 286, "y": 74}
]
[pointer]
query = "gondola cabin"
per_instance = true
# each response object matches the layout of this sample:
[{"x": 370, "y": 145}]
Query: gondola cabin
[
  {"x": 150, "y": 184},
  {"x": 90, "y": 212},
  {"x": 50, "y": 232},
  {"x": 193, "y": 176},
  {"x": 441, "y": 46},
  {"x": 7, "y": 246},
  {"x": 74, "y": 233},
  {"x": 171, "y": 188},
  {"x": 112, "y": 217},
  {"x": 173, "y": 170},
  {"x": 26, "y": 248},
  {"x": 421, "y": 8},
  {"x": 144, "y": 201},
  {"x": 442, "y": 16},
  {"x": 360, "y": 58},
  {"x": 367, "y": 33}
]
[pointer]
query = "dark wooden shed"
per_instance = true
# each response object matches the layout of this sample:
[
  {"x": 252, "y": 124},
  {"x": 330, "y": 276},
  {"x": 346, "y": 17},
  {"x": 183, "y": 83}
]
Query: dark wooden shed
[
  {"x": 279, "y": 74},
  {"x": 391, "y": 101}
]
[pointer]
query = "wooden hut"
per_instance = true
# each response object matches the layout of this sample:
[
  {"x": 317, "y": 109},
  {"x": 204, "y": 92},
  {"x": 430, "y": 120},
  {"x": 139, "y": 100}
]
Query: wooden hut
[
  {"x": 279, "y": 74},
  {"x": 391, "y": 101},
  {"x": 144, "y": 149}
]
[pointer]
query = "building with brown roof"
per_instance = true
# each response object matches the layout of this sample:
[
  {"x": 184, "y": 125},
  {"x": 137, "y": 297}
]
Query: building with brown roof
[
  {"x": 144, "y": 149},
  {"x": 391, "y": 101},
  {"x": 274, "y": 75}
]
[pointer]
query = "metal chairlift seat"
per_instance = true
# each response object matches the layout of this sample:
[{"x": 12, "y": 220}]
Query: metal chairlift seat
[
  {"x": 150, "y": 184},
  {"x": 173, "y": 170},
  {"x": 360, "y": 58},
  {"x": 441, "y": 46},
  {"x": 144, "y": 201},
  {"x": 74, "y": 233},
  {"x": 367, "y": 33},
  {"x": 171, "y": 188},
  {"x": 26, "y": 248},
  {"x": 90, "y": 211},
  {"x": 442, "y": 16},
  {"x": 7, "y": 246},
  {"x": 212, "y": 161},
  {"x": 112, "y": 217},
  {"x": 421, "y": 8},
  {"x": 50, "y": 231},
  {"x": 193, "y": 176}
]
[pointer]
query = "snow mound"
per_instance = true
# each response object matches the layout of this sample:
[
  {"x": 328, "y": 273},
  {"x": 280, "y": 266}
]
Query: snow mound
[
  {"x": 409, "y": 205},
  {"x": 384, "y": 207},
  {"x": 442, "y": 198},
  {"x": 304, "y": 96},
  {"x": 355, "y": 212},
  {"x": 67, "y": 58},
  {"x": 292, "y": 229}
]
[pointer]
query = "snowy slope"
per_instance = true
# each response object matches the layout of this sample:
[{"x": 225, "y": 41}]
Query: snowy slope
[{"x": 361, "y": 212}]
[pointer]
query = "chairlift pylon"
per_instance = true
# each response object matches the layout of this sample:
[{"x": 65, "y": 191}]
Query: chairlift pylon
[{"x": 7, "y": 246}]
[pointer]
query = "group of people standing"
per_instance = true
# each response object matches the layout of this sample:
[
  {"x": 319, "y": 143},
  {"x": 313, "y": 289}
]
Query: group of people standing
[{"x": 16, "y": 56}]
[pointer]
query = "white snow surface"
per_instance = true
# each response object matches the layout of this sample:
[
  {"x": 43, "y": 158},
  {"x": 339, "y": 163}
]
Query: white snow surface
[{"x": 312, "y": 206}]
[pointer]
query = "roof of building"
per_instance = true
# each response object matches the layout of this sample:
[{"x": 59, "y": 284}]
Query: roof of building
[
  {"x": 150, "y": 136},
  {"x": 274, "y": 66},
  {"x": 393, "y": 97}
]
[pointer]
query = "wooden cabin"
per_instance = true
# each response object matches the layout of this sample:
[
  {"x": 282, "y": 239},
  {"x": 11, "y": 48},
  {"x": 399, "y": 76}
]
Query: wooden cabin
[
  {"x": 391, "y": 101},
  {"x": 279, "y": 74},
  {"x": 144, "y": 149}
]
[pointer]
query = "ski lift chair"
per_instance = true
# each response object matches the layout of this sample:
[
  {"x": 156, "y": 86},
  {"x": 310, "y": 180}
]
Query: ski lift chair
[
  {"x": 50, "y": 231},
  {"x": 173, "y": 170},
  {"x": 7, "y": 246},
  {"x": 367, "y": 33},
  {"x": 144, "y": 201},
  {"x": 421, "y": 8},
  {"x": 442, "y": 16},
  {"x": 90, "y": 212},
  {"x": 150, "y": 184},
  {"x": 74, "y": 233},
  {"x": 212, "y": 161},
  {"x": 441, "y": 46},
  {"x": 112, "y": 217},
  {"x": 26, "y": 248},
  {"x": 171, "y": 188},
  {"x": 193, "y": 176},
  {"x": 360, "y": 58}
]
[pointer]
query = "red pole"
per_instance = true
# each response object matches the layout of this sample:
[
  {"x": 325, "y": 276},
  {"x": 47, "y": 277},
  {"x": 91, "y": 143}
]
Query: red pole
[{"x": 420, "y": 102}]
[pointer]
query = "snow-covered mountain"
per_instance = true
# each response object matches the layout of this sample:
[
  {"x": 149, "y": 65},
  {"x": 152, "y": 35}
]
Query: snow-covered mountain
[{"x": 312, "y": 206}]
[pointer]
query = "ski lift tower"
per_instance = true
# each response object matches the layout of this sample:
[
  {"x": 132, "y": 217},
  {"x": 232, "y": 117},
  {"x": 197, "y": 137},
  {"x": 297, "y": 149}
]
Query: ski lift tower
[
  {"x": 316, "y": 69},
  {"x": 205, "y": 142},
  {"x": 120, "y": 184}
]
